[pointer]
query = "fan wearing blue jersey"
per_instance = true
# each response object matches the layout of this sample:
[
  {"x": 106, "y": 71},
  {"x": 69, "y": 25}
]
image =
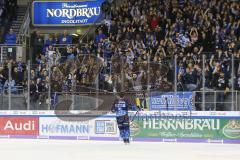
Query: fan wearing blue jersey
[{"x": 121, "y": 107}]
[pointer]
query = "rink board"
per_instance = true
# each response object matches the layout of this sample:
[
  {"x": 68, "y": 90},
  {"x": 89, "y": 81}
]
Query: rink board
[{"x": 150, "y": 126}]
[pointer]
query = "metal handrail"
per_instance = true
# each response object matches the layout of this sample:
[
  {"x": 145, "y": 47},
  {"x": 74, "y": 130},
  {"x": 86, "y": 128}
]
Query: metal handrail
[
  {"x": 127, "y": 92},
  {"x": 18, "y": 89},
  {"x": 2, "y": 46},
  {"x": 26, "y": 23},
  {"x": 11, "y": 45}
]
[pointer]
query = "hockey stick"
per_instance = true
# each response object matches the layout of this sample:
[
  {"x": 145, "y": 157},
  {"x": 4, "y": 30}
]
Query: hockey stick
[
  {"x": 166, "y": 103},
  {"x": 135, "y": 115}
]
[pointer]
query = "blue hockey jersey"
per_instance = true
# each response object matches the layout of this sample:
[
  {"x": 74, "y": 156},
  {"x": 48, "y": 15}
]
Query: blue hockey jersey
[{"x": 121, "y": 107}]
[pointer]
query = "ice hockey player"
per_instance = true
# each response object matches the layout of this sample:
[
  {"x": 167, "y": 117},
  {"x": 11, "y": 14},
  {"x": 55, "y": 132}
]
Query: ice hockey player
[{"x": 121, "y": 107}]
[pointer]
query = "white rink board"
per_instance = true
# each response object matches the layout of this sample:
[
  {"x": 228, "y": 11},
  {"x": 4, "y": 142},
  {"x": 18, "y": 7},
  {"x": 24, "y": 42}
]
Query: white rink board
[
  {"x": 57, "y": 127},
  {"x": 53, "y": 126},
  {"x": 160, "y": 113},
  {"x": 98, "y": 126}
]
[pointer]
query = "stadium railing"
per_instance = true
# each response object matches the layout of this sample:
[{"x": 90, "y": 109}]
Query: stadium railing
[
  {"x": 24, "y": 29},
  {"x": 15, "y": 52}
]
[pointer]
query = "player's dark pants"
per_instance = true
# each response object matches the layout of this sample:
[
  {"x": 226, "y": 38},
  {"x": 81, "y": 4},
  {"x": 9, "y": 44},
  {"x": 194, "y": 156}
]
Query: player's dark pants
[{"x": 123, "y": 125}]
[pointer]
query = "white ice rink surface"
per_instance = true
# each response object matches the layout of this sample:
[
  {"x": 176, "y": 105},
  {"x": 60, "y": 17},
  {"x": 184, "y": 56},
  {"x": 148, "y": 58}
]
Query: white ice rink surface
[{"x": 20, "y": 149}]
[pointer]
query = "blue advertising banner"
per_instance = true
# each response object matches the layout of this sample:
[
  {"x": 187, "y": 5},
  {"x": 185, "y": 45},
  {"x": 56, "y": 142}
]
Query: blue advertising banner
[
  {"x": 66, "y": 13},
  {"x": 170, "y": 100}
]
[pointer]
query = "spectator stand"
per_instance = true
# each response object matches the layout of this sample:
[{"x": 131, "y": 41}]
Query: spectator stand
[
  {"x": 194, "y": 47},
  {"x": 12, "y": 85}
]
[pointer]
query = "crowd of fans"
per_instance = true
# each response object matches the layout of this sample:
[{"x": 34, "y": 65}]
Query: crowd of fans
[
  {"x": 135, "y": 49},
  {"x": 7, "y": 14}
]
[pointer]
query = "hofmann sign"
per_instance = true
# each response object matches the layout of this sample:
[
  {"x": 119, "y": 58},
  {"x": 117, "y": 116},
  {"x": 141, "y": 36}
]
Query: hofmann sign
[{"x": 66, "y": 13}]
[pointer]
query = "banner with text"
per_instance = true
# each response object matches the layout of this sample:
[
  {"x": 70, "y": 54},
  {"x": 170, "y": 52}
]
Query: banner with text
[
  {"x": 72, "y": 126},
  {"x": 187, "y": 128},
  {"x": 65, "y": 13},
  {"x": 53, "y": 126},
  {"x": 171, "y": 101},
  {"x": 19, "y": 125}
]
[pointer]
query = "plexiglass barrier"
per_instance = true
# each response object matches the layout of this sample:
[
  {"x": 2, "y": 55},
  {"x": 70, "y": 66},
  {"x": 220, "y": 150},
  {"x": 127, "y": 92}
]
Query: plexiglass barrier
[{"x": 93, "y": 82}]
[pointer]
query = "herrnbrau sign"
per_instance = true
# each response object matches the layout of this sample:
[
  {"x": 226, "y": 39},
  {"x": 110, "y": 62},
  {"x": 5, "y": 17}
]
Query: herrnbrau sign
[
  {"x": 202, "y": 128},
  {"x": 66, "y": 13}
]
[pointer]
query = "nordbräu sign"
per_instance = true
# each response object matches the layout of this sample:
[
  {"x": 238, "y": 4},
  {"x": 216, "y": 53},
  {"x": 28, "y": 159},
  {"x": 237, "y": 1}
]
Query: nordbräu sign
[{"x": 66, "y": 13}]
